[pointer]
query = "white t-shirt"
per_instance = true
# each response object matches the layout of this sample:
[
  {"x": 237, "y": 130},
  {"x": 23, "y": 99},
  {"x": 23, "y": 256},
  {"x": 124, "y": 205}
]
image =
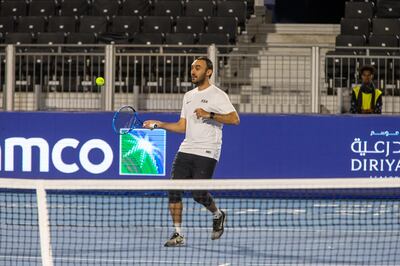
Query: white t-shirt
[{"x": 204, "y": 136}]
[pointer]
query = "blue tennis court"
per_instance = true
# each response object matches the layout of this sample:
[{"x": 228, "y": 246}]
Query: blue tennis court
[{"x": 127, "y": 228}]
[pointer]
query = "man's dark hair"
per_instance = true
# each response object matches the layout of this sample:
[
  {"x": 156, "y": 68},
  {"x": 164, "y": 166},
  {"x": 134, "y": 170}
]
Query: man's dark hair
[
  {"x": 209, "y": 64},
  {"x": 367, "y": 68}
]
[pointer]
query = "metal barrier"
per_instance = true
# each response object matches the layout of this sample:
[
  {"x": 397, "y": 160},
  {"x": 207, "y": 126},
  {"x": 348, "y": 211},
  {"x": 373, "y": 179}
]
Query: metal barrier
[
  {"x": 258, "y": 79},
  {"x": 342, "y": 70},
  {"x": 156, "y": 80},
  {"x": 57, "y": 78},
  {"x": 2, "y": 77},
  {"x": 279, "y": 79}
]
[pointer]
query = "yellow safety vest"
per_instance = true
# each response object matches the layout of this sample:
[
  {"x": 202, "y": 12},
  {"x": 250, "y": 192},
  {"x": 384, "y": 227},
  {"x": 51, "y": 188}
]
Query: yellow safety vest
[{"x": 366, "y": 98}]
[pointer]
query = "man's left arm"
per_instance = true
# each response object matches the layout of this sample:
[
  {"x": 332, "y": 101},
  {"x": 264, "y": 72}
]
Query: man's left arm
[{"x": 231, "y": 118}]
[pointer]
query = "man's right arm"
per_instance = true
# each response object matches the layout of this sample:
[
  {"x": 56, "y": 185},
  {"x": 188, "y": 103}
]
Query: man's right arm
[
  {"x": 178, "y": 127},
  {"x": 378, "y": 105}
]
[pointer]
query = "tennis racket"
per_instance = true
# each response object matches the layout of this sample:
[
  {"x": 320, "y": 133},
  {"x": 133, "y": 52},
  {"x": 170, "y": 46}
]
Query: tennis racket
[{"x": 125, "y": 120}]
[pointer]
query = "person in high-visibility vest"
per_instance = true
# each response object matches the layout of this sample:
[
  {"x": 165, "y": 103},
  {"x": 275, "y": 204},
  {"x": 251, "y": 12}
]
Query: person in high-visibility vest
[{"x": 365, "y": 98}]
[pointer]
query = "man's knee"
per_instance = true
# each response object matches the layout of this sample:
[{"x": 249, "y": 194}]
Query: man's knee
[
  {"x": 202, "y": 197},
  {"x": 174, "y": 196}
]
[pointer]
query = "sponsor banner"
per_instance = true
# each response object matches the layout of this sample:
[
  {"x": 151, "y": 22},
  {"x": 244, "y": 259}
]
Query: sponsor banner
[
  {"x": 84, "y": 146},
  {"x": 142, "y": 152}
]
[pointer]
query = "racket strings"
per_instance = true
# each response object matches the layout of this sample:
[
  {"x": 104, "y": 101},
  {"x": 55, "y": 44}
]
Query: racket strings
[{"x": 125, "y": 120}]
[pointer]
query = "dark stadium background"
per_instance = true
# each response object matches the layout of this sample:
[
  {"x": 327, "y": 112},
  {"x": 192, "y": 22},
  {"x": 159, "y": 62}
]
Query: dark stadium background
[{"x": 309, "y": 11}]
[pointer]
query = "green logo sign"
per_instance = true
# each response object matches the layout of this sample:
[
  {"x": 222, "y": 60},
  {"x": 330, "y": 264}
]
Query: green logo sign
[{"x": 142, "y": 152}]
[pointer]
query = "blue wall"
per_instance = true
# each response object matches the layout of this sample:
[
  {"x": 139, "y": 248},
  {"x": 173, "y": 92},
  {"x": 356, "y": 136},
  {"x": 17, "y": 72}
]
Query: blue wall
[{"x": 263, "y": 146}]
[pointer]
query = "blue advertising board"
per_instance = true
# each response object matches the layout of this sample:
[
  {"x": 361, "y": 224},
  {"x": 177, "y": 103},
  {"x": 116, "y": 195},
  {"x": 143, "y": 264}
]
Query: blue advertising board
[{"x": 46, "y": 145}]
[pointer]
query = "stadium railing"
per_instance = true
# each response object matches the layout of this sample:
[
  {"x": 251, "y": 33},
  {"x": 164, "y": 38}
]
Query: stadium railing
[{"x": 258, "y": 79}]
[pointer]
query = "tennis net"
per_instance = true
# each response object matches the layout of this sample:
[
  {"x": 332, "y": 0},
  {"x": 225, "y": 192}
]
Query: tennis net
[{"x": 269, "y": 222}]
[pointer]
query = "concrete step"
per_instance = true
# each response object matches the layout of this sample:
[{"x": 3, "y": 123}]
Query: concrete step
[
  {"x": 314, "y": 39},
  {"x": 305, "y": 29}
]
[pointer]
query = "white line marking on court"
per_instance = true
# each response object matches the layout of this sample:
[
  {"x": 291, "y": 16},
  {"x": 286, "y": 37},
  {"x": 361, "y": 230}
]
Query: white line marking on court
[
  {"x": 15, "y": 258},
  {"x": 99, "y": 260}
]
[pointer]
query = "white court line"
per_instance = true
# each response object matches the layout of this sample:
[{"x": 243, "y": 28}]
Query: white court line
[{"x": 99, "y": 260}]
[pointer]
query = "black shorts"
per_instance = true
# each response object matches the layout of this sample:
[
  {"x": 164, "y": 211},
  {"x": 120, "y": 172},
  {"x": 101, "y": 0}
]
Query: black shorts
[{"x": 191, "y": 166}]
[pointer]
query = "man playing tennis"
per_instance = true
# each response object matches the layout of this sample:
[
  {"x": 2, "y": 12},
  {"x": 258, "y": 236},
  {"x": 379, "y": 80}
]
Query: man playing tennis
[{"x": 205, "y": 109}]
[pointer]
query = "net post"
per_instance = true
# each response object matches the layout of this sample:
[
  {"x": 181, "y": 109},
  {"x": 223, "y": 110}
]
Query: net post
[{"x": 44, "y": 228}]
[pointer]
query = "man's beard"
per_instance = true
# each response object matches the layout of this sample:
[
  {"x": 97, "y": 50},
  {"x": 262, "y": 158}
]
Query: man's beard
[{"x": 199, "y": 81}]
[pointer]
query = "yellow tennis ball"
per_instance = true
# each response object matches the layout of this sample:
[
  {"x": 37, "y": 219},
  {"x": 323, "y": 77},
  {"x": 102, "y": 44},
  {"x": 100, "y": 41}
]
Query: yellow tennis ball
[{"x": 99, "y": 81}]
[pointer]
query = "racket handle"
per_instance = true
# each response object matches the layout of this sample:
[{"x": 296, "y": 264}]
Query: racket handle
[{"x": 153, "y": 126}]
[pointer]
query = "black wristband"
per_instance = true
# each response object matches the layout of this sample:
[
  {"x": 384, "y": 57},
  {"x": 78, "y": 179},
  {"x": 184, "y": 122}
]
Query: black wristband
[{"x": 212, "y": 114}]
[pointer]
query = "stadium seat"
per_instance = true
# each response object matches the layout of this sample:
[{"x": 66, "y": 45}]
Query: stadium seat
[
  {"x": 179, "y": 38},
  {"x": 383, "y": 41},
  {"x": 156, "y": 24},
  {"x": 31, "y": 24},
  {"x": 105, "y": 7},
  {"x": 189, "y": 25},
  {"x": 350, "y": 41},
  {"x": 80, "y": 38},
  {"x": 135, "y": 8},
  {"x": 168, "y": 8},
  {"x": 154, "y": 38},
  {"x": 213, "y": 38},
  {"x": 74, "y": 7},
  {"x": 388, "y": 9},
  {"x": 42, "y": 8},
  {"x": 148, "y": 38},
  {"x": 386, "y": 26},
  {"x": 115, "y": 38},
  {"x": 19, "y": 38},
  {"x": 232, "y": 9},
  {"x": 61, "y": 23},
  {"x": 6, "y": 25},
  {"x": 50, "y": 37},
  {"x": 125, "y": 24},
  {"x": 359, "y": 9},
  {"x": 355, "y": 26},
  {"x": 223, "y": 25},
  {"x": 93, "y": 24},
  {"x": 198, "y": 8},
  {"x": 13, "y": 8}
]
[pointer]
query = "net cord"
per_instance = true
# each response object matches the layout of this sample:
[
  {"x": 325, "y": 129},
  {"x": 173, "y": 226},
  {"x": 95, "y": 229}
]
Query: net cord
[{"x": 215, "y": 184}]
